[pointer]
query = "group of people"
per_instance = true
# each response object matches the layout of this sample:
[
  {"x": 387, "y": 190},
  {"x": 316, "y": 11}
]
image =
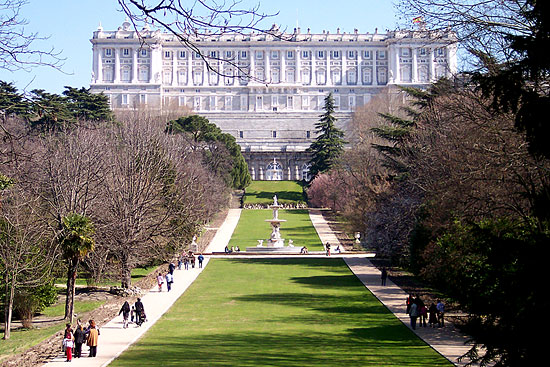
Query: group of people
[
  {"x": 73, "y": 339},
  {"x": 187, "y": 258},
  {"x": 136, "y": 312},
  {"x": 417, "y": 310},
  {"x": 328, "y": 247},
  {"x": 228, "y": 250}
]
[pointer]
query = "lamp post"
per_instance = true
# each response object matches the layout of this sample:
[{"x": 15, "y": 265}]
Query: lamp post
[{"x": 357, "y": 236}]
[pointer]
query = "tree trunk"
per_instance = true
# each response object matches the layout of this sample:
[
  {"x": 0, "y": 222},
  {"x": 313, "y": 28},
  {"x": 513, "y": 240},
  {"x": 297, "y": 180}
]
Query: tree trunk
[
  {"x": 8, "y": 308},
  {"x": 126, "y": 276},
  {"x": 71, "y": 285}
]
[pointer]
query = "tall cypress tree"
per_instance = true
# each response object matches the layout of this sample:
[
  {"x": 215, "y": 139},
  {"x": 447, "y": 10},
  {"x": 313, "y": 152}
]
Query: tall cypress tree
[{"x": 329, "y": 143}]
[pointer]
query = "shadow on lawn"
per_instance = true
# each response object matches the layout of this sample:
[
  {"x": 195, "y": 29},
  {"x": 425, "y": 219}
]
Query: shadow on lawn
[{"x": 374, "y": 346}]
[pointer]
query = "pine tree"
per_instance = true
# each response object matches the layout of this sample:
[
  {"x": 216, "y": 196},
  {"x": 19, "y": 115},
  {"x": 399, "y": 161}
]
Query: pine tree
[{"x": 329, "y": 143}]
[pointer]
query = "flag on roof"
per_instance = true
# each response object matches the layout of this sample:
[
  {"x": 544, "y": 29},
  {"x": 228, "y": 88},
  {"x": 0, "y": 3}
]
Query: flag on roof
[{"x": 417, "y": 20}]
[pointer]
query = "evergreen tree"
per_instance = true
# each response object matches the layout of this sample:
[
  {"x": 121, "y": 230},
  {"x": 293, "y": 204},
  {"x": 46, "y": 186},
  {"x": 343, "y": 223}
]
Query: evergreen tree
[
  {"x": 88, "y": 106},
  {"x": 11, "y": 101},
  {"x": 233, "y": 170},
  {"x": 329, "y": 143}
]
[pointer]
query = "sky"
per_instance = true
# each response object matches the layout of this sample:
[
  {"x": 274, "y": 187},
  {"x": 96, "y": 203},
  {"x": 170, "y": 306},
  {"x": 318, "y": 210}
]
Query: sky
[{"x": 69, "y": 24}]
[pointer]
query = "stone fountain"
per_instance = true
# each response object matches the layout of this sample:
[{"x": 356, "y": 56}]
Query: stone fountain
[{"x": 275, "y": 243}]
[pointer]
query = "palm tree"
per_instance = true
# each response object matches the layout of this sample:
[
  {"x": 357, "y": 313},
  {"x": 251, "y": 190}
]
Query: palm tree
[{"x": 76, "y": 242}]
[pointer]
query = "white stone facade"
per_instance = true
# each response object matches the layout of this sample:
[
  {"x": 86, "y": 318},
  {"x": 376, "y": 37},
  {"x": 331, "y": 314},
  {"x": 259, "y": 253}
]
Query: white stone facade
[{"x": 266, "y": 89}]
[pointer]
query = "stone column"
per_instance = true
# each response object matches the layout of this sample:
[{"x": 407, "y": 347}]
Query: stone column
[
  {"x": 397, "y": 71},
  {"x": 116, "y": 71},
  {"x": 99, "y": 65},
  {"x": 359, "y": 67},
  {"x": 431, "y": 63},
  {"x": 313, "y": 67},
  {"x": 414, "y": 66},
  {"x": 282, "y": 77},
  {"x": 174, "y": 68},
  {"x": 261, "y": 173},
  {"x": 344, "y": 68},
  {"x": 296, "y": 173},
  {"x": 374, "y": 68},
  {"x": 135, "y": 52},
  {"x": 252, "y": 64},
  {"x": 298, "y": 68},
  {"x": 267, "y": 67},
  {"x": 189, "y": 67}
]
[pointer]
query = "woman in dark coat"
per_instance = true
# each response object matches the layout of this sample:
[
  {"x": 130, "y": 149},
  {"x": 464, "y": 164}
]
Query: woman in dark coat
[
  {"x": 79, "y": 339},
  {"x": 125, "y": 311},
  {"x": 432, "y": 320}
]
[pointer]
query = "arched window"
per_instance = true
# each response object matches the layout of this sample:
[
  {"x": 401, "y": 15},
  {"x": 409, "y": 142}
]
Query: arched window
[{"x": 274, "y": 171}]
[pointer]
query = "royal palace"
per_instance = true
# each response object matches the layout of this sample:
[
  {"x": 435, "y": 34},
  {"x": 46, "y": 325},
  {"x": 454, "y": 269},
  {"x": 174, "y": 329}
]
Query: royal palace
[{"x": 266, "y": 89}]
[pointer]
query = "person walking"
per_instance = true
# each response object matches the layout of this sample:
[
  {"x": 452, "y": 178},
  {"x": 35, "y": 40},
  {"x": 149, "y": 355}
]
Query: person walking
[
  {"x": 327, "y": 246},
  {"x": 192, "y": 258},
  {"x": 125, "y": 311},
  {"x": 423, "y": 314},
  {"x": 93, "y": 336},
  {"x": 384, "y": 275},
  {"x": 140, "y": 311},
  {"x": 160, "y": 280},
  {"x": 186, "y": 262},
  {"x": 169, "y": 281},
  {"x": 432, "y": 318},
  {"x": 440, "y": 313},
  {"x": 413, "y": 314},
  {"x": 409, "y": 302},
  {"x": 201, "y": 258},
  {"x": 79, "y": 339},
  {"x": 68, "y": 342},
  {"x": 171, "y": 268}
]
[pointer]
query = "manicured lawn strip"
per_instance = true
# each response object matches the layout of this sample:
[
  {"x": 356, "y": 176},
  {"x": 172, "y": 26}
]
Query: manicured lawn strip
[
  {"x": 279, "y": 312},
  {"x": 253, "y": 227},
  {"x": 262, "y": 192}
]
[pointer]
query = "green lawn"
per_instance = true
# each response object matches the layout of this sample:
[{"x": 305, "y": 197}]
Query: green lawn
[
  {"x": 279, "y": 312},
  {"x": 262, "y": 192},
  {"x": 253, "y": 227}
]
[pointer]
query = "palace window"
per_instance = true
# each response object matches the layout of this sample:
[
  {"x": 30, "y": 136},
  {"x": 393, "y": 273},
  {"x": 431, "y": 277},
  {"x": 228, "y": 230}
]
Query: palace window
[
  {"x": 259, "y": 55},
  {"x": 422, "y": 52},
  {"x": 244, "y": 54},
  {"x": 351, "y": 54},
  {"x": 167, "y": 54},
  {"x": 334, "y": 54},
  {"x": 143, "y": 52},
  {"x": 143, "y": 75},
  {"x": 320, "y": 54},
  {"x": 305, "y": 54},
  {"x": 126, "y": 52},
  {"x": 367, "y": 54},
  {"x": 275, "y": 55},
  {"x": 380, "y": 55},
  {"x": 108, "y": 52},
  {"x": 290, "y": 102},
  {"x": 182, "y": 54},
  {"x": 290, "y": 54}
]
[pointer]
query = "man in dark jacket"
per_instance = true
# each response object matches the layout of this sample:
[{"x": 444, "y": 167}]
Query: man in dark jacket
[{"x": 140, "y": 312}]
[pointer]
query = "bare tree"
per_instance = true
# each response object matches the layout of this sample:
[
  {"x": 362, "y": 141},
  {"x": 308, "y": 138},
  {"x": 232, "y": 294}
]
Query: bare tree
[
  {"x": 26, "y": 251},
  {"x": 16, "y": 44},
  {"x": 480, "y": 25},
  {"x": 155, "y": 194}
]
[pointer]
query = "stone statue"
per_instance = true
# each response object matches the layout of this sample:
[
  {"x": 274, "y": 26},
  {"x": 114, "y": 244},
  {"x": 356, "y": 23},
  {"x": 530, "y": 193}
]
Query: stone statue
[{"x": 275, "y": 200}]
